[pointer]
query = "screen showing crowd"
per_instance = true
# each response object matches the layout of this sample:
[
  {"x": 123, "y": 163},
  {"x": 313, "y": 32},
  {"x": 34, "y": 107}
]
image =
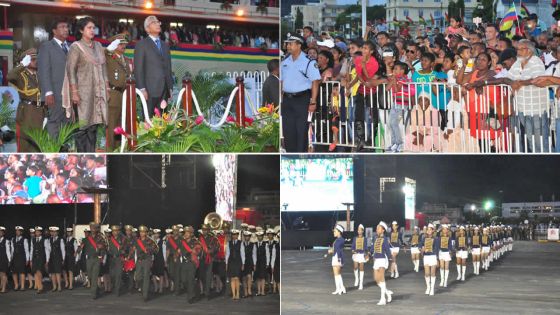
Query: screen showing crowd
[{"x": 55, "y": 178}]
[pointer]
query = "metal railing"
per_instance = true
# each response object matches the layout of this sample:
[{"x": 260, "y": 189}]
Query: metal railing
[{"x": 439, "y": 117}]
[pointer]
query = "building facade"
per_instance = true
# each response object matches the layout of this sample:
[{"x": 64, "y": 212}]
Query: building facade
[
  {"x": 320, "y": 16},
  {"x": 541, "y": 209},
  {"x": 401, "y": 9}
]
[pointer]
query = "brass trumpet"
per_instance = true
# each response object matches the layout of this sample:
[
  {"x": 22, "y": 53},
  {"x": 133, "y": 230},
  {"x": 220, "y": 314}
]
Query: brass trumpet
[{"x": 214, "y": 220}]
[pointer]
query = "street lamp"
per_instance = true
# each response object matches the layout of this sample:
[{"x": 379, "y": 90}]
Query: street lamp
[
  {"x": 488, "y": 205},
  {"x": 473, "y": 207}
]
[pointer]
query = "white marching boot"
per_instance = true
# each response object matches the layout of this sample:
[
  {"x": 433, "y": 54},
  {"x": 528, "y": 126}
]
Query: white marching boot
[
  {"x": 356, "y": 279},
  {"x": 382, "y": 300},
  {"x": 427, "y": 284},
  {"x": 441, "y": 277},
  {"x": 396, "y": 271},
  {"x": 445, "y": 275},
  {"x": 341, "y": 284},
  {"x": 337, "y": 285},
  {"x": 432, "y": 284},
  {"x": 361, "y": 287},
  {"x": 464, "y": 268},
  {"x": 458, "y": 272}
]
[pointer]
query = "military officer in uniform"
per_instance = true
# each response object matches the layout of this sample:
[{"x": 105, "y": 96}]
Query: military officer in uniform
[
  {"x": 300, "y": 80},
  {"x": 210, "y": 248},
  {"x": 5, "y": 259},
  {"x": 71, "y": 247},
  {"x": 117, "y": 250},
  {"x": 173, "y": 253},
  {"x": 190, "y": 252},
  {"x": 55, "y": 258},
  {"x": 118, "y": 71},
  {"x": 95, "y": 247},
  {"x": 30, "y": 111},
  {"x": 38, "y": 252},
  {"x": 129, "y": 235},
  {"x": 20, "y": 249},
  {"x": 144, "y": 249}
]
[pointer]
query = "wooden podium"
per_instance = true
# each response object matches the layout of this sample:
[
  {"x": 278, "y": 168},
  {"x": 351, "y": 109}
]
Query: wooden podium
[
  {"x": 96, "y": 192},
  {"x": 348, "y": 205}
]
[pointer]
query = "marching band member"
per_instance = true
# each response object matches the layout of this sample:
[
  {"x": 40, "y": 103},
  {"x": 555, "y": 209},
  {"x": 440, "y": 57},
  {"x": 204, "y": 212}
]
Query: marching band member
[
  {"x": 381, "y": 251},
  {"x": 39, "y": 256},
  {"x": 144, "y": 248},
  {"x": 396, "y": 241},
  {"x": 486, "y": 242},
  {"x": 158, "y": 267},
  {"x": 415, "y": 239},
  {"x": 276, "y": 263},
  {"x": 359, "y": 256},
  {"x": 338, "y": 259},
  {"x": 190, "y": 256},
  {"x": 476, "y": 248},
  {"x": 263, "y": 261},
  {"x": 94, "y": 247},
  {"x": 55, "y": 258},
  {"x": 233, "y": 263},
  {"x": 510, "y": 238},
  {"x": 249, "y": 260},
  {"x": 5, "y": 259},
  {"x": 462, "y": 253},
  {"x": 219, "y": 265},
  {"x": 173, "y": 253},
  {"x": 117, "y": 250},
  {"x": 70, "y": 248},
  {"x": 30, "y": 275},
  {"x": 20, "y": 250},
  {"x": 430, "y": 246},
  {"x": 271, "y": 242},
  {"x": 210, "y": 247},
  {"x": 445, "y": 247},
  {"x": 164, "y": 250},
  {"x": 104, "y": 272}
]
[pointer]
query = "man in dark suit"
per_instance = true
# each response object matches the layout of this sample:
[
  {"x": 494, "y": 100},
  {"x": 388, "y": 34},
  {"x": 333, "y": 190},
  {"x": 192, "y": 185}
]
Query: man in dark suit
[
  {"x": 51, "y": 69},
  {"x": 271, "y": 86},
  {"x": 152, "y": 66}
]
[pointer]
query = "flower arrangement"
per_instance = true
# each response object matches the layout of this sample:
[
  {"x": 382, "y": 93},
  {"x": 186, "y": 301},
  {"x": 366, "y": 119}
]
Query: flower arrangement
[{"x": 174, "y": 132}]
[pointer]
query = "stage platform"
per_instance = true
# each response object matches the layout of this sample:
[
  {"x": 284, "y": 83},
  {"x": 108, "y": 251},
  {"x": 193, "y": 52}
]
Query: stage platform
[
  {"x": 79, "y": 301},
  {"x": 524, "y": 281}
]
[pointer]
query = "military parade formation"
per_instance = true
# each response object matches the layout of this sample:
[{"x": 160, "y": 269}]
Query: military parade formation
[
  {"x": 144, "y": 260},
  {"x": 435, "y": 244}
]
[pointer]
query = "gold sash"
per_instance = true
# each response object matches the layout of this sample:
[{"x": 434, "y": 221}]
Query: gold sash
[
  {"x": 476, "y": 240},
  {"x": 444, "y": 242},
  {"x": 461, "y": 241},
  {"x": 429, "y": 245},
  {"x": 415, "y": 239},
  {"x": 394, "y": 237},
  {"x": 485, "y": 239}
]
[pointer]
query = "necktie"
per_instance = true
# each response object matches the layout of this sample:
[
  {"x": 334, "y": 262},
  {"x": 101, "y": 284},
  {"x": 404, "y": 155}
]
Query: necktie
[
  {"x": 65, "y": 48},
  {"x": 158, "y": 44}
]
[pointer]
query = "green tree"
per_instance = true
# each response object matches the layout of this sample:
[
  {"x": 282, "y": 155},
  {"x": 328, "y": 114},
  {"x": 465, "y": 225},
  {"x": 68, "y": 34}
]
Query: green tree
[
  {"x": 461, "y": 8},
  {"x": 452, "y": 9},
  {"x": 298, "y": 24},
  {"x": 486, "y": 12},
  {"x": 372, "y": 13}
]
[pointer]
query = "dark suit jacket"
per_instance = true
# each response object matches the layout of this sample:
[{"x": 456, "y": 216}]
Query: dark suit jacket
[
  {"x": 271, "y": 90},
  {"x": 51, "y": 64},
  {"x": 152, "y": 70}
]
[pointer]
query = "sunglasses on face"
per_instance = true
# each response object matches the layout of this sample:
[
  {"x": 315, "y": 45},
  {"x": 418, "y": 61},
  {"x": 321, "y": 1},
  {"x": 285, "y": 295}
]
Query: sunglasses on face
[{"x": 411, "y": 51}]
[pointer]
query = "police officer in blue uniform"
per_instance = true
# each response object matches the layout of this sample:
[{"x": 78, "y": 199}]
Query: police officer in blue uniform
[{"x": 300, "y": 80}]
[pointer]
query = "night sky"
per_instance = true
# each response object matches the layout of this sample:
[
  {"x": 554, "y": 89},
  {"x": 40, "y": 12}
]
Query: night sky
[
  {"x": 457, "y": 180},
  {"x": 261, "y": 172}
]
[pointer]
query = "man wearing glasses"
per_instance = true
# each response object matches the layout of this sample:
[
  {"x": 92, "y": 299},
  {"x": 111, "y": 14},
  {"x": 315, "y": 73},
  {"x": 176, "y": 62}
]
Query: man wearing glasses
[
  {"x": 152, "y": 67},
  {"x": 412, "y": 57}
]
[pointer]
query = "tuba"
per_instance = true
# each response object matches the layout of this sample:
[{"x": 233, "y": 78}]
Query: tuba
[{"x": 214, "y": 220}]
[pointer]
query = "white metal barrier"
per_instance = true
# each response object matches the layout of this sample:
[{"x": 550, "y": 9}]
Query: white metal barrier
[{"x": 439, "y": 117}]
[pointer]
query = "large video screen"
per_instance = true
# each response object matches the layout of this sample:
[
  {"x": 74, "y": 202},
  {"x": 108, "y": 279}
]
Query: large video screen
[
  {"x": 316, "y": 184},
  {"x": 50, "y": 178},
  {"x": 226, "y": 184}
]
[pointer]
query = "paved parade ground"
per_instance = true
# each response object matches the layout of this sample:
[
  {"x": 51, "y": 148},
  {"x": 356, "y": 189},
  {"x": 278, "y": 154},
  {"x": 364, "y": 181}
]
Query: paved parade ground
[
  {"x": 525, "y": 281},
  {"x": 79, "y": 302}
]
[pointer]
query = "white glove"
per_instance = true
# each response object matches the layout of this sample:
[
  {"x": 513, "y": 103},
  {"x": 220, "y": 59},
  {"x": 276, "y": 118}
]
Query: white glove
[
  {"x": 114, "y": 45},
  {"x": 26, "y": 60}
]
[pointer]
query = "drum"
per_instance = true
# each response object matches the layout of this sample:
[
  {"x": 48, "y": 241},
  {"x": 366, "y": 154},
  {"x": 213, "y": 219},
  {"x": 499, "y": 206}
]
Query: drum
[{"x": 129, "y": 265}]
